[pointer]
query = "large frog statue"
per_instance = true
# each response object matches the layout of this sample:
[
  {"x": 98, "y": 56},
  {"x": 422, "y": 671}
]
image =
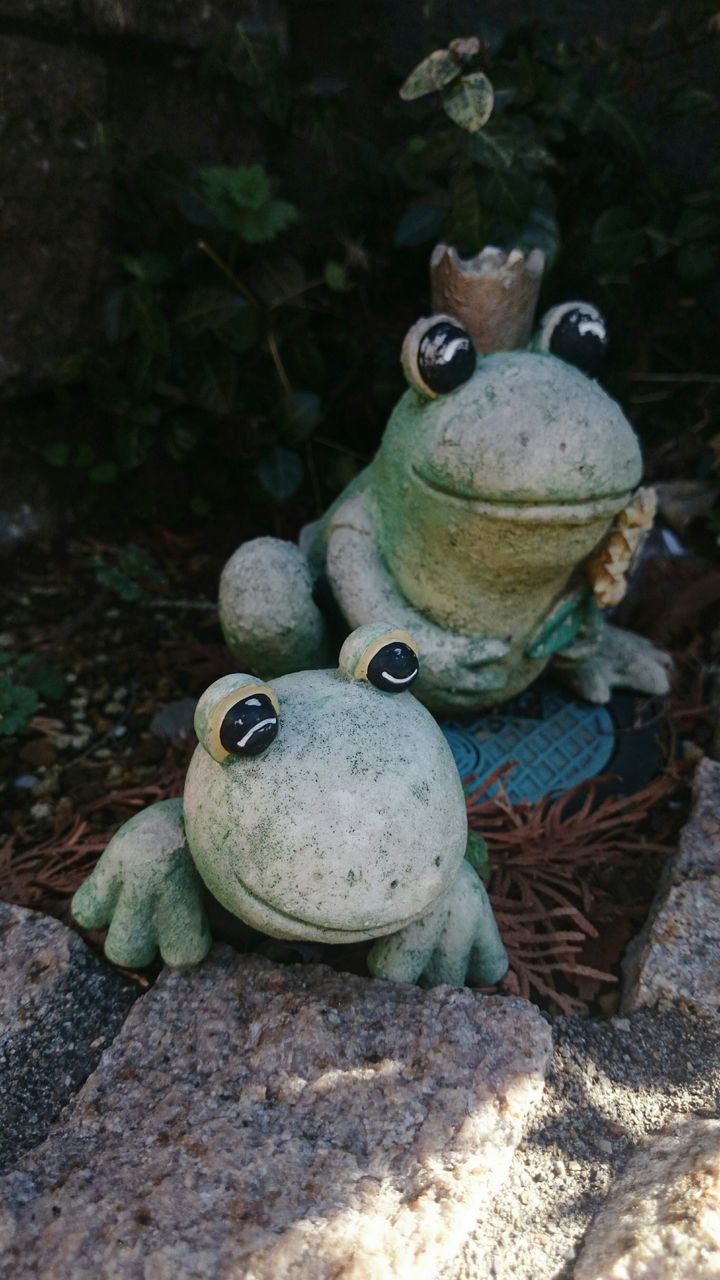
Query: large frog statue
[
  {"x": 325, "y": 806},
  {"x": 502, "y": 493}
]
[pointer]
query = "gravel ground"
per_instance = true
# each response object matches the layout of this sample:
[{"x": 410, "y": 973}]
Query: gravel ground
[{"x": 610, "y": 1083}]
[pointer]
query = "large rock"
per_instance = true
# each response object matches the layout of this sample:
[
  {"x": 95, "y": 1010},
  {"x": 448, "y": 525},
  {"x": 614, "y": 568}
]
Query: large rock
[
  {"x": 661, "y": 1220},
  {"x": 612, "y": 1083},
  {"x": 59, "y": 1006},
  {"x": 280, "y": 1124},
  {"x": 52, "y": 178},
  {"x": 676, "y": 957}
]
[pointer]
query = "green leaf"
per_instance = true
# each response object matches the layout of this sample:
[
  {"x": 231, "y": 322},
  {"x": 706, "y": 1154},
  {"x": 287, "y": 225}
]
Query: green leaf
[
  {"x": 213, "y": 382},
  {"x": 420, "y": 223},
  {"x": 18, "y": 704},
  {"x": 259, "y": 226},
  {"x": 696, "y": 261},
  {"x": 182, "y": 439},
  {"x": 56, "y": 453},
  {"x": 618, "y": 236},
  {"x": 541, "y": 231},
  {"x": 280, "y": 473},
  {"x": 469, "y": 104},
  {"x": 48, "y": 682},
  {"x": 301, "y": 413},
  {"x": 240, "y": 200},
  {"x": 697, "y": 224},
  {"x": 433, "y": 73},
  {"x": 694, "y": 102},
  {"x": 223, "y": 313},
  {"x": 103, "y": 473},
  {"x": 336, "y": 277}
]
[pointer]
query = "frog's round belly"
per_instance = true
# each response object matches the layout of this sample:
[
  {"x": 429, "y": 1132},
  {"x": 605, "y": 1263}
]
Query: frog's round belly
[{"x": 494, "y": 575}]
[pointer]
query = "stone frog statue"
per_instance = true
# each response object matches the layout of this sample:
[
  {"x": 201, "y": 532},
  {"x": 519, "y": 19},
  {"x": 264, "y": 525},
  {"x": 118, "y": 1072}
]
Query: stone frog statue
[
  {"x": 499, "y": 513},
  {"x": 325, "y": 806}
]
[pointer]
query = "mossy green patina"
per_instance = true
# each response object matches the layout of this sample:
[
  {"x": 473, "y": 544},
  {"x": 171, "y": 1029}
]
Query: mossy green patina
[{"x": 350, "y": 826}]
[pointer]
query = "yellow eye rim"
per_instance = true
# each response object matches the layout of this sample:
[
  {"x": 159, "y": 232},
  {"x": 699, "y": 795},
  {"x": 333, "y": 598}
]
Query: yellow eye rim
[
  {"x": 361, "y": 670},
  {"x": 214, "y": 746}
]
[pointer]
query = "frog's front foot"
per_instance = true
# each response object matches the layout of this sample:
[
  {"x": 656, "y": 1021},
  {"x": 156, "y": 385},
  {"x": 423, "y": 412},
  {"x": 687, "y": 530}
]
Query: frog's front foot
[
  {"x": 146, "y": 888},
  {"x": 458, "y": 669},
  {"x": 456, "y": 942},
  {"x": 619, "y": 660},
  {"x": 267, "y": 611}
]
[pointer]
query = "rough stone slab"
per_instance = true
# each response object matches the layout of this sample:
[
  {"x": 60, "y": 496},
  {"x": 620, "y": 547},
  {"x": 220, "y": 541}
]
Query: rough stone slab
[
  {"x": 611, "y": 1084},
  {"x": 186, "y": 22},
  {"x": 661, "y": 1220},
  {"x": 53, "y": 184},
  {"x": 268, "y": 1123},
  {"x": 699, "y": 851},
  {"x": 676, "y": 957},
  {"x": 59, "y": 1006}
]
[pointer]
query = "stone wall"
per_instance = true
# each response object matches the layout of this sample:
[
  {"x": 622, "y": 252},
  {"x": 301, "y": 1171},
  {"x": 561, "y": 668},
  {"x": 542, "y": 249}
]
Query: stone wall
[{"x": 86, "y": 88}]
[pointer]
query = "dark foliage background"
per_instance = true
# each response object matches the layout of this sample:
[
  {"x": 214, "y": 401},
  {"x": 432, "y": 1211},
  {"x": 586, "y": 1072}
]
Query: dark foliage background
[{"x": 251, "y": 340}]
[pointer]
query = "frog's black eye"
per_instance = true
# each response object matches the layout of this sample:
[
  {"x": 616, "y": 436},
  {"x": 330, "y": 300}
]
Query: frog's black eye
[
  {"x": 438, "y": 355},
  {"x": 249, "y": 726},
  {"x": 394, "y": 667},
  {"x": 577, "y": 333}
]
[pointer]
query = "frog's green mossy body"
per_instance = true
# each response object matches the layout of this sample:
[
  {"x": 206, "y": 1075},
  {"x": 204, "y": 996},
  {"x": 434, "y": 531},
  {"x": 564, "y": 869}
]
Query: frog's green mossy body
[
  {"x": 470, "y": 528},
  {"x": 350, "y": 826}
]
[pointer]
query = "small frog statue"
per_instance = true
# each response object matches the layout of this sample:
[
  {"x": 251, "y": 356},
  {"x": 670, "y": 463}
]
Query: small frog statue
[
  {"x": 497, "y": 519},
  {"x": 326, "y": 807}
]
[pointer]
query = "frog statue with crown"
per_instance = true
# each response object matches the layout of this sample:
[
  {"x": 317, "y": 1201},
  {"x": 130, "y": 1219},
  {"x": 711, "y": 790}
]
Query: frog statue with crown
[{"x": 496, "y": 522}]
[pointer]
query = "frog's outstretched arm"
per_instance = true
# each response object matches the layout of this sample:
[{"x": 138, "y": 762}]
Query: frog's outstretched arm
[
  {"x": 605, "y": 657},
  {"x": 366, "y": 592},
  {"x": 267, "y": 612},
  {"x": 456, "y": 942},
  {"x": 146, "y": 888}
]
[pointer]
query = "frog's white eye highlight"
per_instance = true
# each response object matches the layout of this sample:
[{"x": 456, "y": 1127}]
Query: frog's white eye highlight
[
  {"x": 387, "y": 658},
  {"x": 575, "y": 332},
  {"x": 237, "y": 716},
  {"x": 437, "y": 355}
]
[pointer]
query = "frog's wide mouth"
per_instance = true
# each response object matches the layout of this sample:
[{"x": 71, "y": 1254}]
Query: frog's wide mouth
[
  {"x": 290, "y": 925},
  {"x": 530, "y": 510}
]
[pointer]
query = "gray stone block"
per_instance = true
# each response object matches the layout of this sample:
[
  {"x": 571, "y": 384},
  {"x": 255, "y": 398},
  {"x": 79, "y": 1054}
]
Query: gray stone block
[
  {"x": 59, "y": 1007},
  {"x": 185, "y": 22},
  {"x": 52, "y": 221},
  {"x": 661, "y": 1220},
  {"x": 676, "y": 956},
  {"x": 272, "y": 1122}
]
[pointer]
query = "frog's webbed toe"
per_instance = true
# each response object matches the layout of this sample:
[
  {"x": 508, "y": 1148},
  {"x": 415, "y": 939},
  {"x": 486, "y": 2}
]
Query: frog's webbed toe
[
  {"x": 620, "y": 660},
  {"x": 146, "y": 889},
  {"x": 267, "y": 611},
  {"x": 456, "y": 942}
]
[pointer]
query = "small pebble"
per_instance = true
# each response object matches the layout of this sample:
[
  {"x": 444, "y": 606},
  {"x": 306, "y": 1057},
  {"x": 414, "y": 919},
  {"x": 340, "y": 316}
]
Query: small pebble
[
  {"x": 25, "y": 781},
  {"x": 39, "y": 811}
]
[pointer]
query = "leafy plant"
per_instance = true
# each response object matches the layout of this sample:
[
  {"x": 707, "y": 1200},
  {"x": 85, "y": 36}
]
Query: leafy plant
[
  {"x": 23, "y": 683},
  {"x": 252, "y": 338},
  {"x": 128, "y": 571}
]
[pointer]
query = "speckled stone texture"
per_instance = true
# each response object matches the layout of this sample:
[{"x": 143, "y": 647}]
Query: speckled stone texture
[
  {"x": 661, "y": 1221},
  {"x": 189, "y": 22},
  {"x": 59, "y": 1007},
  {"x": 676, "y": 958},
  {"x": 280, "y": 1124}
]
